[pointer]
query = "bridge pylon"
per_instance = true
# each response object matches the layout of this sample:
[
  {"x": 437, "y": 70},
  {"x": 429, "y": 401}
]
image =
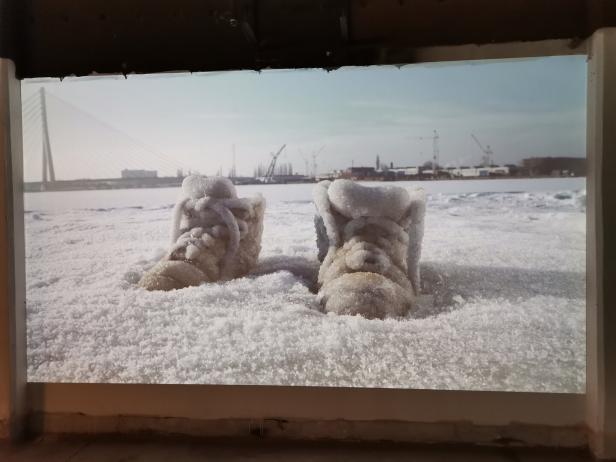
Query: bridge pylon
[{"x": 49, "y": 174}]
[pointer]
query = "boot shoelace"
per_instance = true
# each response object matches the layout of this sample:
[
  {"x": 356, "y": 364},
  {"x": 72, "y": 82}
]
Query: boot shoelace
[
  {"x": 216, "y": 220},
  {"x": 374, "y": 257}
]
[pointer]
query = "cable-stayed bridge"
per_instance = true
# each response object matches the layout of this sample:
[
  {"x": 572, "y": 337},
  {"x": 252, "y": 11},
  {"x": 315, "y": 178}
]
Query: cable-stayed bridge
[{"x": 74, "y": 149}]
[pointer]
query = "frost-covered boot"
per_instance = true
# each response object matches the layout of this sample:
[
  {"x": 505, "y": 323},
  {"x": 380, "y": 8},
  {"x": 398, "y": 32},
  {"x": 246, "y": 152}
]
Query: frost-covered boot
[
  {"x": 216, "y": 236},
  {"x": 369, "y": 241}
]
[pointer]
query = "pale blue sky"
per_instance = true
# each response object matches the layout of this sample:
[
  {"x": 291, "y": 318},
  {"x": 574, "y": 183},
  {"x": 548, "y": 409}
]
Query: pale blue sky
[{"x": 521, "y": 108}]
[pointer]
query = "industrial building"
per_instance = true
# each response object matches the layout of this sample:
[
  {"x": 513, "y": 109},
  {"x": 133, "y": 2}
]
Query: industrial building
[
  {"x": 405, "y": 172},
  {"x": 478, "y": 172},
  {"x": 555, "y": 166},
  {"x": 139, "y": 174}
]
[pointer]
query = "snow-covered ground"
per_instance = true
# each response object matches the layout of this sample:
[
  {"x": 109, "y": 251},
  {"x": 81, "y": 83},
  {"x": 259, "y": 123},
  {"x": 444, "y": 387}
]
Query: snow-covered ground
[{"x": 503, "y": 309}]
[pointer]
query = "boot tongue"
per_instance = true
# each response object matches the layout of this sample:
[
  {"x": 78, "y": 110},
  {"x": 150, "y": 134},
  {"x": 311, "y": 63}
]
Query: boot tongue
[
  {"x": 353, "y": 200},
  {"x": 197, "y": 186}
]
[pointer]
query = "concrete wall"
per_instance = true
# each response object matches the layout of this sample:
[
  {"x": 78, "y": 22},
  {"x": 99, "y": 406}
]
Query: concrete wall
[
  {"x": 12, "y": 289},
  {"x": 154, "y": 36},
  {"x": 601, "y": 225}
]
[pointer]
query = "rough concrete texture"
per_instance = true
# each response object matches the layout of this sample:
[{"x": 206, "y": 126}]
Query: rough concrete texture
[
  {"x": 283, "y": 430},
  {"x": 136, "y": 450}
]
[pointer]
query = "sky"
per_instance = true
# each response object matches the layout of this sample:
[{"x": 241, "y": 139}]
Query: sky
[{"x": 100, "y": 125}]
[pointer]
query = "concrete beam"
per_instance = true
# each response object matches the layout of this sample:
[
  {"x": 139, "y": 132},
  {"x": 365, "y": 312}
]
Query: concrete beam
[
  {"x": 12, "y": 275},
  {"x": 145, "y": 36},
  {"x": 601, "y": 249}
]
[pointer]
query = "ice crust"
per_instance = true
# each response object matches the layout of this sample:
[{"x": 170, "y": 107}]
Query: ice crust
[
  {"x": 503, "y": 305},
  {"x": 215, "y": 236},
  {"x": 196, "y": 187},
  {"x": 353, "y": 200}
]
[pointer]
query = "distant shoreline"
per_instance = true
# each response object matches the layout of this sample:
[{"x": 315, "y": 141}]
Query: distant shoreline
[{"x": 174, "y": 182}]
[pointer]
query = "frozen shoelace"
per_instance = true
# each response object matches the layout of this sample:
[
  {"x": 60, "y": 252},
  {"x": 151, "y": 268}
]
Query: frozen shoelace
[
  {"x": 374, "y": 256},
  {"x": 408, "y": 230},
  {"x": 216, "y": 220}
]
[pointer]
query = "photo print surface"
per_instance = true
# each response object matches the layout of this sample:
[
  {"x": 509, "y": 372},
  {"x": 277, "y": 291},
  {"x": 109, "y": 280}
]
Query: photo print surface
[{"x": 416, "y": 227}]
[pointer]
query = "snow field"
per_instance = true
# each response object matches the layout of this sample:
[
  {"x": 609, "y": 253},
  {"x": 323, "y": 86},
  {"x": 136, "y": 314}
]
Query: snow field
[{"x": 503, "y": 305}]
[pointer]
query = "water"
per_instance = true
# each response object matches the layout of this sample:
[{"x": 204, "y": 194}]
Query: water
[{"x": 59, "y": 201}]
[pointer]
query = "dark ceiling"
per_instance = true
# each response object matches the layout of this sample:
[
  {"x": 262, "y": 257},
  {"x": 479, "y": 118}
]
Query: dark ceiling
[{"x": 64, "y": 37}]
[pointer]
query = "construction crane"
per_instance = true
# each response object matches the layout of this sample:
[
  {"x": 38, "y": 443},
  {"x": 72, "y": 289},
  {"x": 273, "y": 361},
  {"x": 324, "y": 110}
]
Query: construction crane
[
  {"x": 311, "y": 168},
  {"x": 306, "y": 162},
  {"x": 435, "y": 152},
  {"x": 269, "y": 176},
  {"x": 315, "y": 154},
  {"x": 233, "y": 171},
  {"x": 486, "y": 159}
]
